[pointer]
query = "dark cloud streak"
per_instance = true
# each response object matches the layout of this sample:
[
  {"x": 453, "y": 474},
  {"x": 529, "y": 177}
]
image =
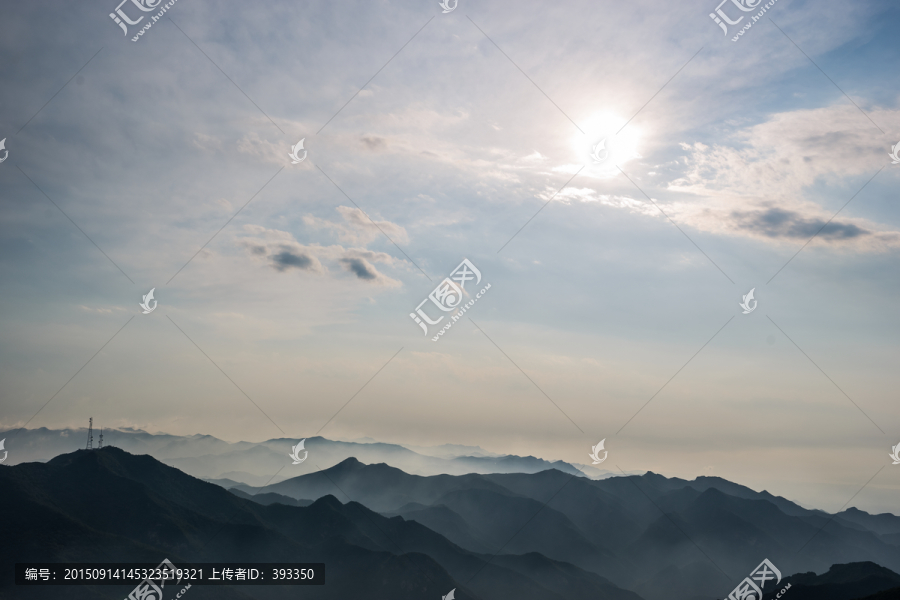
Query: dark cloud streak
[
  {"x": 285, "y": 260},
  {"x": 781, "y": 223},
  {"x": 360, "y": 267}
]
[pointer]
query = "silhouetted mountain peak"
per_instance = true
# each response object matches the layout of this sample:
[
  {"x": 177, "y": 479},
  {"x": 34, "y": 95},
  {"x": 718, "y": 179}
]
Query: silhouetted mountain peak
[
  {"x": 326, "y": 502},
  {"x": 712, "y": 480},
  {"x": 712, "y": 495},
  {"x": 846, "y": 573},
  {"x": 109, "y": 458},
  {"x": 352, "y": 465},
  {"x": 655, "y": 480},
  {"x": 348, "y": 463}
]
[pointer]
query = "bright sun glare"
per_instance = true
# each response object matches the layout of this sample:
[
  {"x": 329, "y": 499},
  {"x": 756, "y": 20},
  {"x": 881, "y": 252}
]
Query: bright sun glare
[{"x": 600, "y": 141}]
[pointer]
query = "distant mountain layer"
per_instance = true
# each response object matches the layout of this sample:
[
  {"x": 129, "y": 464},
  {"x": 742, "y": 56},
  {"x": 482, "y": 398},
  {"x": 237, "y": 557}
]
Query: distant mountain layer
[
  {"x": 110, "y": 506},
  {"x": 650, "y": 533},
  {"x": 841, "y": 582},
  {"x": 270, "y": 498},
  {"x": 256, "y": 464}
]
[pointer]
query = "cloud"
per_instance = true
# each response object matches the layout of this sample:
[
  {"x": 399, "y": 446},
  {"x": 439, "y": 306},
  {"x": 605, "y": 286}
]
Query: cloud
[
  {"x": 101, "y": 310},
  {"x": 788, "y": 152},
  {"x": 262, "y": 149},
  {"x": 207, "y": 142},
  {"x": 357, "y": 228},
  {"x": 360, "y": 267},
  {"x": 778, "y": 222},
  {"x": 570, "y": 194},
  {"x": 286, "y": 259},
  {"x": 534, "y": 157},
  {"x": 283, "y": 252},
  {"x": 760, "y": 183},
  {"x": 766, "y": 220},
  {"x": 373, "y": 142},
  {"x": 359, "y": 262}
]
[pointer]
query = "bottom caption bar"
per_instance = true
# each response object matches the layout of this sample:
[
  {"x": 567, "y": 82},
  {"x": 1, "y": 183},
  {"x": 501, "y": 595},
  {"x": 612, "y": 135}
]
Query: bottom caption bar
[{"x": 155, "y": 577}]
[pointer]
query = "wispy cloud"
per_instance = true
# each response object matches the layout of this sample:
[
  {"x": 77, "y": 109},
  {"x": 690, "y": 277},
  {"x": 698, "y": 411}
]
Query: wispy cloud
[
  {"x": 763, "y": 183},
  {"x": 356, "y": 228}
]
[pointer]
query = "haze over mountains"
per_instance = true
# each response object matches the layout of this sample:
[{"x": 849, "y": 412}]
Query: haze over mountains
[
  {"x": 646, "y": 533},
  {"x": 111, "y": 506},
  {"x": 385, "y": 533},
  {"x": 207, "y": 457}
]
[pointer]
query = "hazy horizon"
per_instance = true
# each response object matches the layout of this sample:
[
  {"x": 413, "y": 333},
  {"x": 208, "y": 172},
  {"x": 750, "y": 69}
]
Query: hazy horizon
[{"x": 876, "y": 505}]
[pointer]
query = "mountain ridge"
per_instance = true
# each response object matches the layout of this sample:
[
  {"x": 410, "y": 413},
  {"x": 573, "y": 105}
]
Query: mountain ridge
[
  {"x": 620, "y": 528},
  {"x": 207, "y": 457},
  {"x": 148, "y": 510}
]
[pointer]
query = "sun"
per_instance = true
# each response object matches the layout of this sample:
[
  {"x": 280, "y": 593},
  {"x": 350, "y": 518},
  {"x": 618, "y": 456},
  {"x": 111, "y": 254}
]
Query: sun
[{"x": 606, "y": 143}]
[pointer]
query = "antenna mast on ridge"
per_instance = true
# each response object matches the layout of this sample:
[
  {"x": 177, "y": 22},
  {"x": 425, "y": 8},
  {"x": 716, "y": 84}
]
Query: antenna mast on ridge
[
  {"x": 101, "y": 438},
  {"x": 90, "y": 444}
]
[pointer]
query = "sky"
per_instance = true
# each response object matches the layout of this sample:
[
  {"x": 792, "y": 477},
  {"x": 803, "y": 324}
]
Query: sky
[{"x": 285, "y": 290}]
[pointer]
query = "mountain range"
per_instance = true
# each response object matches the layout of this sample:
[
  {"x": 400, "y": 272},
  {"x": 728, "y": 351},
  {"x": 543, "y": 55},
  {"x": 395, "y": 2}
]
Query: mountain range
[
  {"x": 385, "y": 533},
  {"x": 110, "y": 506},
  {"x": 645, "y": 533},
  {"x": 253, "y": 463}
]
